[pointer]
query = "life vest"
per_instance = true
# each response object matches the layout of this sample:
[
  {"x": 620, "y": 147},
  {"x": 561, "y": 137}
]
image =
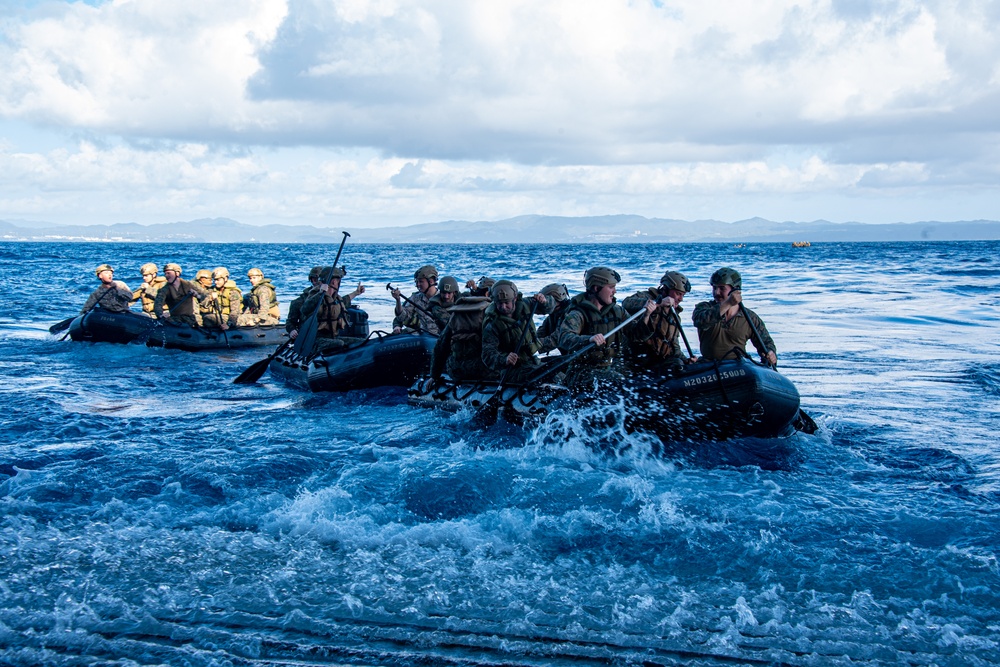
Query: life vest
[
  {"x": 599, "y": 322},
  {"x": 466, "y": 328},
  {"x": 263, "y": 299},
  {"x": 510, "y": 330},
  {"x": 332, "y": 316}
]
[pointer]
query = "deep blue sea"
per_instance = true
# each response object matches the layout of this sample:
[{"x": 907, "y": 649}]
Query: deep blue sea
[{"x": 154, "y": 513}]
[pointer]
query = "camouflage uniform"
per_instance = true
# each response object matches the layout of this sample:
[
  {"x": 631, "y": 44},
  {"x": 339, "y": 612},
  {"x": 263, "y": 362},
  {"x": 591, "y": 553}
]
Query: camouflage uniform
[
  {"x": 147, "y": 292},
  {"x": 412, "y": 318},
  {"x": 331, "y": 319},
  {"x": 582, "y": 321},
  {"x": 718, "y": 337},
  {"x": 118, "y": 301},
  {"x": 503, "y": 333},
  {"x": 556, "y": 305},
  {"x": 459, "y": 350},
  {"x": 229, "y": 300},
  {"x": 173, "y": 296},
  {"x": 260, "y": 305},
  {"x": 658, "y": 341}
]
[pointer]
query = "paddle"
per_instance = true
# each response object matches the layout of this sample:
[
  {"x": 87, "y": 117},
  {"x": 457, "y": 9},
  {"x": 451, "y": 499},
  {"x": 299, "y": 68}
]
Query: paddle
[
  {"x": 389, "y": 287},
  {"x": 680, "y": 327},
  {"x": 583, "y": 350},
  {"x": 256, "y": 370},
  {"x": 222, "y": 321},
  {"x": 306, "y": 338},
  {"x": 486, "y": 415},
  {"x": 803, "y": 422},
  {"x": 62, "y": 326}
]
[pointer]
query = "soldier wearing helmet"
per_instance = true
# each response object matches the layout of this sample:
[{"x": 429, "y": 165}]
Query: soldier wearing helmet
[
  {"x": 260, "y": 306},
  {"x": 591, "y": 315},
  {"x": 510, "y": 341},
  {"x": 557, "y": 302},
  {"x": 112, "y": 295},
  {"x": 480, "y": 288},
  {"x": 723, "y": 330},
  {"x": 415, "y": 313},
  {"x": 207, "y": 306},
  {"x": 176, "y": 301},
  {"x": 226, "y": 301},
  {"x": 151, "y": 284},
  {"x": 445, "y": 298},
  {"x": 331, "y": 311},
  {"x": 657, "y": 335}
]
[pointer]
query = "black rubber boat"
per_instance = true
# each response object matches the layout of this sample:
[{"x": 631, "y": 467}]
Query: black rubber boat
[
  {"x": 704, "y": 401},
  {"x": 381, "y": 360},
  {"x": 103, "y": 326}
]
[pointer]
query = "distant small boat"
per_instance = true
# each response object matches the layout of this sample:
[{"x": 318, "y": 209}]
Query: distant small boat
[
  {"x": 739, "y": 245},
  {"x": 801, "y": 244}
]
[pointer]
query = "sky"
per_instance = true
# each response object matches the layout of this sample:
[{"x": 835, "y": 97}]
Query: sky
[{"x": 397, "y": 112}]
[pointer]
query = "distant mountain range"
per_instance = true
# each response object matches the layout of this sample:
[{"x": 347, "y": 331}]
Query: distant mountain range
[{"x": 523, "y": 229}]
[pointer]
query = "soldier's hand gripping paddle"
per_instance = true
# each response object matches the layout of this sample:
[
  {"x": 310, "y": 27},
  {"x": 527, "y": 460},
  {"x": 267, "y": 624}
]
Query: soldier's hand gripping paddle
[
  {"x": 486, "y": 415},
  {"x": 306, "y": 339}
]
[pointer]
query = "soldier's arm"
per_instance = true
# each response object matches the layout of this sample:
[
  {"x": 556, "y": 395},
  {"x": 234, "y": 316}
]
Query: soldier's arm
[
  {"x": 706, "y": 314},
  {"x": 89, "y": 303},
  {"x": 161, "y": 299},
  {"x": 492, "y": 356},
  {"x": 570, "y": 336}
]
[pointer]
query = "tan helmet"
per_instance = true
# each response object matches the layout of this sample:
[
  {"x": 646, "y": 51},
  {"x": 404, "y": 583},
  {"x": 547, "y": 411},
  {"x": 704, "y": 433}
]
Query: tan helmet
[
  {"x": 103, "y": 267},
  {"x": 255, "y": 272},
  {"x": 676, "y": 280},
  {"x": 333, "y": 272},
  {"x": 504, "y": 291},
  {"x": 148, "y": 268},
  {"x": 485, "y": 283},
  {"x": 203, "y": 273},
  {"x": 448, "y": 285},
  {"x": 220, "y": 272},
  {"x": 315, "y": 272},
  {"x": 428, "y": 271},
  {"x": 556, "y": 291},
  {"x": 726, "y": 276},
  {"x": 176, "y": 268},
  {"x": 599, "y": 276}
]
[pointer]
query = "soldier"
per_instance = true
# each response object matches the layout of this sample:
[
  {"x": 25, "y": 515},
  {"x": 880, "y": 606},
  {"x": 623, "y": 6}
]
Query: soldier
[
  {"x": 589, "y": 316},
  {"x": 509, "y": 337},
  {"x": 459, "y": 350},
  {"x": 482, "y": 288},
  {"x": 179, "y": 296},
  {"x": 226, "y": 299},
  {"x": 331, "y": 317},
  {"x": 657, "y": 335},
  {"x": 557, "y": 302},
  {"x": 260, "y": 306},
  {"x": 723, "y": 331},
  {"x": 416, "y": 313},
  {"x": 151, "y": 284},
  {"x": 443, "y": 300},
  {"x": 112, "y": 295},
  {"x": 294, "y": 319},
  {"x": 206, "y": 307}
]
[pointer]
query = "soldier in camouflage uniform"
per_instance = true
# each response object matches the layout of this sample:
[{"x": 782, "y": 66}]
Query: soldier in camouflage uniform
[
  {"x": 657, "y": 336},
  {"x": 295, "y": 316},
  {"x": 459, "y": 349},
  {"x": 723, "y": 331},
  {"x": 179, "y": 296},
  {"x": 443, "y": 300},
  {"x": 112, "y": 295},
  {"x": 226, "y": 299},
  {"x": 207, "y": 306},
  {"x": 557, "y": 302},
  {"x": 260, "y": 306},
  {"x": 590, "y": 316},
  {"x": 481, "y": 288},
  {"x": 151, "y": 284},
  {"x": 510, "y": 341},
  {"x": 331, "y": 316},
  {"x": 416, "y": 315}
]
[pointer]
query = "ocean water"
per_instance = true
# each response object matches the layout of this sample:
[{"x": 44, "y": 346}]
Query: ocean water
[{"x": 154, "y": 513}]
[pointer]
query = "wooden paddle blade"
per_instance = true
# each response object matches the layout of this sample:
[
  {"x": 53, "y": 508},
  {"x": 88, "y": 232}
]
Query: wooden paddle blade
[
  {"x": 59, "y": 327},
  {"x": 254, "y": 372}
]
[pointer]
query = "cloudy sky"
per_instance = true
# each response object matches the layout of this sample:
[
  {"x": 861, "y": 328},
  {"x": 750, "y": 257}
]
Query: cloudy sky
[{"x": 379, "y": 112}]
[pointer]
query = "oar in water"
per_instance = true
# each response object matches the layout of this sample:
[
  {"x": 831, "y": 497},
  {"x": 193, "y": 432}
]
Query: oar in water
[
  {"x": 486, "y": 415},
  {"x": 306, "y": 338},
  {"x": 62, "y": 326},
  {"x": 803, "y": 422},
  {"x": 389, "y": 287},
  {"x": 257, "y": 369}
]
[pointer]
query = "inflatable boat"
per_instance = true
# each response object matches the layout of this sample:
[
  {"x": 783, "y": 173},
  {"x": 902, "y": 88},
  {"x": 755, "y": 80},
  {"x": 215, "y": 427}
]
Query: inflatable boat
[
  {"x": 380, "y": 360},
  {"x": 707, "y": 400}
]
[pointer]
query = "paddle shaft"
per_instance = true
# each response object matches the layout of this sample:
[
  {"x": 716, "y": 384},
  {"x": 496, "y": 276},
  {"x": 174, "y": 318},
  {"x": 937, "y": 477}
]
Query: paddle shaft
[
  {"x": 389, "y": 287},
  {"x": 758, "y": 340}
]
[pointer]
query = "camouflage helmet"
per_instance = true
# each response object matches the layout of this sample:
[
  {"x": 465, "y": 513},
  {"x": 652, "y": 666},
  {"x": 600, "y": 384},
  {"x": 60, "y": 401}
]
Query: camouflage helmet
[
  {"x": 148, "y": 268},
  {"x": 599, "y": 276},
  {"x": 428, "y": 271},
  {"x": 103, "y": 267},
  {"x": 503, "y": 291},
  {"x": 331, "y": 272},
  {"x": 220, "y": 272},
  {"x": 172, "y": 266},
  {"x": 448, "y": 285},
  {"x": 203, "y": 273},
  {"x": 315, "y": 272},
  {"x": 485, "y": 282},
  {"x": 556, "y": 291},
  {"x": 676, "y": 280},
  {"x": 255, "y": 272},
  {"x": 726, "y": 276}
]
